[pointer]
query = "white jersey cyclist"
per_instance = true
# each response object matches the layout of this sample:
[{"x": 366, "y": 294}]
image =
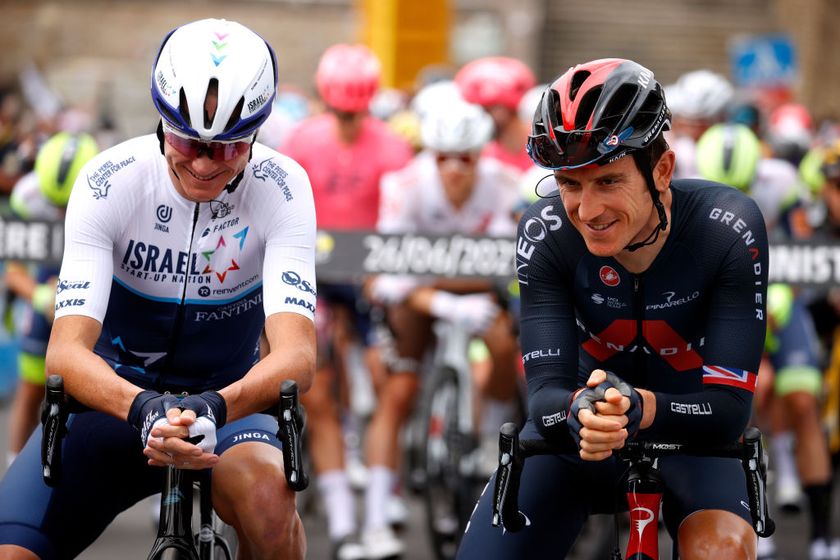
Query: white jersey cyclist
[
  {"x": 182, "y": 288},
  {"x": 413, "y": 200}
]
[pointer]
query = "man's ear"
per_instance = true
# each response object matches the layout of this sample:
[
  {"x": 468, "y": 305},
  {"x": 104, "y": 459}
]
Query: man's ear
[{"x": 663, "y": 171}]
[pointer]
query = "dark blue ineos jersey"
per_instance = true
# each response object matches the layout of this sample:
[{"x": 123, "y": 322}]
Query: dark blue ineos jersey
[{"x": 690, "y": 328}]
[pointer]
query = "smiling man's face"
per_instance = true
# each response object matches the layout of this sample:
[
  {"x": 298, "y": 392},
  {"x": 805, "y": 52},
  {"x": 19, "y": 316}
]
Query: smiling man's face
[{"x": 201, "y": 178}]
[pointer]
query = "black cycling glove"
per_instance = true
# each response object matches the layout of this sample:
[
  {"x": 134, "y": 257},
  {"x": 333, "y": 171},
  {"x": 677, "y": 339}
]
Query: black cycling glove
[
  {"x": 589, "y": 396},
  {"x": 150, "y": 406},
  {"x": 209, "y": 403},
  {"x": 147, "y": 408}
]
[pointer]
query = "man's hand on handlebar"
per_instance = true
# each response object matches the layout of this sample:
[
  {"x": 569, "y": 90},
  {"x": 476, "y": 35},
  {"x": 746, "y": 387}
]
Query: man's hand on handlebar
[
  {"x": 601, "y": 415},
  {"x": 168, "y": 443}
]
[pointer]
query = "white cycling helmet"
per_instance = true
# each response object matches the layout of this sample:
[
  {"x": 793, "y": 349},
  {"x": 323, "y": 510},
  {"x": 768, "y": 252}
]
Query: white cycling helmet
[
  {"x": 458, "y": 127},
  {"x": 194, "y": 57},
  {"x": 435, "y": 95},
  {"x": 529, "y": 102},
  {"x": 701, "y": 94}
]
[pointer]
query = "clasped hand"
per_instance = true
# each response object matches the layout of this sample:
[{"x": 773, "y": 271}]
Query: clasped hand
[
  {"x": 168, "y": 445},
  {"x": 604, "y": 430}
]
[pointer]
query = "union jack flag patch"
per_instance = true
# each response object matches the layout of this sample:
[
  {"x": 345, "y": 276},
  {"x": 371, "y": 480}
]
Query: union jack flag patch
[{"x": 735, "y": 377}]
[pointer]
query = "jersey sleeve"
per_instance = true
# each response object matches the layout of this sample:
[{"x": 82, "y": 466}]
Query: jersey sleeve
[
  {"x": 289, "y": 265},
  {"x": 735, "y": 332},
  {"x": 548, "y": 330},
  {"x": 87, "y": 266}
]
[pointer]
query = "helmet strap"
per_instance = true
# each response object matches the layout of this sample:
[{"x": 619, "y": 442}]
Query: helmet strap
[
  {"x": 159, "y": 133},
  {"x": 642, "y": 159},
  {"x": 238, "y": 179}
]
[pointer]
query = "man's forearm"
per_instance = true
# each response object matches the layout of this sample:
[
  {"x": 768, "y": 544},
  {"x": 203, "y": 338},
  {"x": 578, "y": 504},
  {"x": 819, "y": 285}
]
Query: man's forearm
[
  {"x": 90, "y": 380},
  {"x": 260, "y": 388}
]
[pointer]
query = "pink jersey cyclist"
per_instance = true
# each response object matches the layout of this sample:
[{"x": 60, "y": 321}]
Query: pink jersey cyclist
[{"x": 345, "y": 177}]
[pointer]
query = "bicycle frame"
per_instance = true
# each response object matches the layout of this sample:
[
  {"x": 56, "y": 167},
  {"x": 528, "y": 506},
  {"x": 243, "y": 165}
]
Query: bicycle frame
[
  {"x": 644, "y": 488},
  {"x": 175, "y": 528},
  {"x": 451, "y": 351}
]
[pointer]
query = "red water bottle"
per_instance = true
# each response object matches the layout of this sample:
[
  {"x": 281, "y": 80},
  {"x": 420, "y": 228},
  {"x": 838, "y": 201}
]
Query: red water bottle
[{"x": 644, "y": 495}]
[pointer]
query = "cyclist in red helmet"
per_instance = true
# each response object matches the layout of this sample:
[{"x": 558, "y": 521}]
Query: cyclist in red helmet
[
  {"x": 498, "y": 84},
  {"x": 642, "y": 317},
  {"x": 345, "y": 152}
]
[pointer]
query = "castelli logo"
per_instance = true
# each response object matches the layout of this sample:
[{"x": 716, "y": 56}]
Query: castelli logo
[{"x": 609, "y": 276}]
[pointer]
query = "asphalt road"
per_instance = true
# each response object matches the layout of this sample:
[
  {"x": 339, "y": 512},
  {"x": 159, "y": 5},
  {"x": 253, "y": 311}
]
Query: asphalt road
[{"x": 131, "y": 534}]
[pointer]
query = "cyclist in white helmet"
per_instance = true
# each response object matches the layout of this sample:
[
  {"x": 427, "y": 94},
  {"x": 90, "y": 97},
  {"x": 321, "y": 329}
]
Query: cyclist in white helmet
[
  {"x": 181, "y": 249},
  {"x": 697, "y": 100},
  {"x": 446, "y": 189}
]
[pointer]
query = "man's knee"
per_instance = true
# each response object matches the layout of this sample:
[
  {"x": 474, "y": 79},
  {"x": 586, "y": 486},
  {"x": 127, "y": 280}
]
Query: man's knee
[
  {"x": 249, "y": 487},
  {"x": 715, "y": 535},
  {"x": 13, "y": 552}
]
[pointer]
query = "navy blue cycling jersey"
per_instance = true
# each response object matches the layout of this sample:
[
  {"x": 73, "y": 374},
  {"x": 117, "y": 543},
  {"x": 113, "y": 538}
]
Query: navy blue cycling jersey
[{"x": 690, "y": 328}]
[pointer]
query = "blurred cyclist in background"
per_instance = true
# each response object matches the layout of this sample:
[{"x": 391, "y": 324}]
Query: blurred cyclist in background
[
  {"x": 40, "y": 195},
  {"x": 790, "y": 380},
  {"x": 345, "y": 151},
  {"x": 498, "y": 84},
  {"x": 698, "y": 99},
  {"x": 449, "y": 188}
]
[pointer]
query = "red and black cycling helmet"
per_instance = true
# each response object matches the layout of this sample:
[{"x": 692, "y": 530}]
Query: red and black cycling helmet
[{"x": 597, "y": 112}]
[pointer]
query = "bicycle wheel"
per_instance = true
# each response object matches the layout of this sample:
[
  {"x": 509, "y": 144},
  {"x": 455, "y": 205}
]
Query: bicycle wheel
[{"x": 451, "y": 487}]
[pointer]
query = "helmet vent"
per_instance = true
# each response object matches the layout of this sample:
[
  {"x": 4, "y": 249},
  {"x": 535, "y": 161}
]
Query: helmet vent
[
  {"x": 619, "y": 105},
  {"x": 235, "y": 115},
  {"x": 587, "y": 104},
  {"x": 648, "y": 113},
  {"x": 212, "y": 92},
  {"x": 183, "y": 108},
  {"x": 577, "y": 81}
]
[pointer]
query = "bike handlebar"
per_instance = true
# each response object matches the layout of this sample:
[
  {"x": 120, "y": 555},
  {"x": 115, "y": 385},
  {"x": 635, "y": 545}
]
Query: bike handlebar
[
  {"x": 290, "y": 419},
  {"x": 513, "y": 452}
]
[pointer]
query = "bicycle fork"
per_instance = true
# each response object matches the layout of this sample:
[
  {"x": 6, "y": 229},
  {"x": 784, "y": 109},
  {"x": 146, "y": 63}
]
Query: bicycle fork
[{"x": 644, "y": 495}]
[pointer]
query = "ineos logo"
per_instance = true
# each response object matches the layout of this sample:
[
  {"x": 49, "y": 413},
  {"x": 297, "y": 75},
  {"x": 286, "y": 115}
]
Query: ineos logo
[
  {"x": 536, "y": 229},
  {"x": 164, "y": 213}
]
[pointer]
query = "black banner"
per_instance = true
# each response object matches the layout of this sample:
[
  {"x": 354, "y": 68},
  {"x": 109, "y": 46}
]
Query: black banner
[
  {"x": 348, "y": 255},
  {"x": 31, "y": 241}
]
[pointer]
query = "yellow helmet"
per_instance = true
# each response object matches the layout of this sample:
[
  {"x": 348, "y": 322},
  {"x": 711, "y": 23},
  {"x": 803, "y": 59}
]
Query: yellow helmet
[{"x": 59, "y": 161}]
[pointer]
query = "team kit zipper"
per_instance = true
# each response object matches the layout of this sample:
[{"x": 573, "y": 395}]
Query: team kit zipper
[{"x": 182, "y": 307}]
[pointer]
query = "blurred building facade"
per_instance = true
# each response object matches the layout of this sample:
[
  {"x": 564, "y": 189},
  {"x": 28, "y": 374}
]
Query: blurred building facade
[{"x": 97, "y": 53}]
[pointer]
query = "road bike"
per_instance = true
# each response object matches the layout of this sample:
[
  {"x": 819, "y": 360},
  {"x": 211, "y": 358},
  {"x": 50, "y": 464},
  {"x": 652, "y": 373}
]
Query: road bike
[{"x": 644, "y": 486}]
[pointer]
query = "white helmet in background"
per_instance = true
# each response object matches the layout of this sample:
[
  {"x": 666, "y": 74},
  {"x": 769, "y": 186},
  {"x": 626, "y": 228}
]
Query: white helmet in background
[
  {"x": 457, "y": 127},
  {"x": 529, "y": 102},
  {"x": 434, "y": 95},
  {"x": 221, "y": 54},
  {"x": 701, "y": 95}
]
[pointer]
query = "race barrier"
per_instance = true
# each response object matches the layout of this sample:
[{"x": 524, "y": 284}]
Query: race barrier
[{"x": 342, "y": 255}]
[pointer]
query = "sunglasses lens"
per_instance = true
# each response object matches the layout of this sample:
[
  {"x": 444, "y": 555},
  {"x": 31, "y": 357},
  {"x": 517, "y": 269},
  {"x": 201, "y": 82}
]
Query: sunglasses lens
[
  {"x": 466, "y": 159},
  {"x": 217, "y": 151},
  {"x": 579, "y": 148}
]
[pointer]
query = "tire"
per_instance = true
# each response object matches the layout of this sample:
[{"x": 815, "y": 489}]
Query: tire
[{"x": 449, "y": 495}]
